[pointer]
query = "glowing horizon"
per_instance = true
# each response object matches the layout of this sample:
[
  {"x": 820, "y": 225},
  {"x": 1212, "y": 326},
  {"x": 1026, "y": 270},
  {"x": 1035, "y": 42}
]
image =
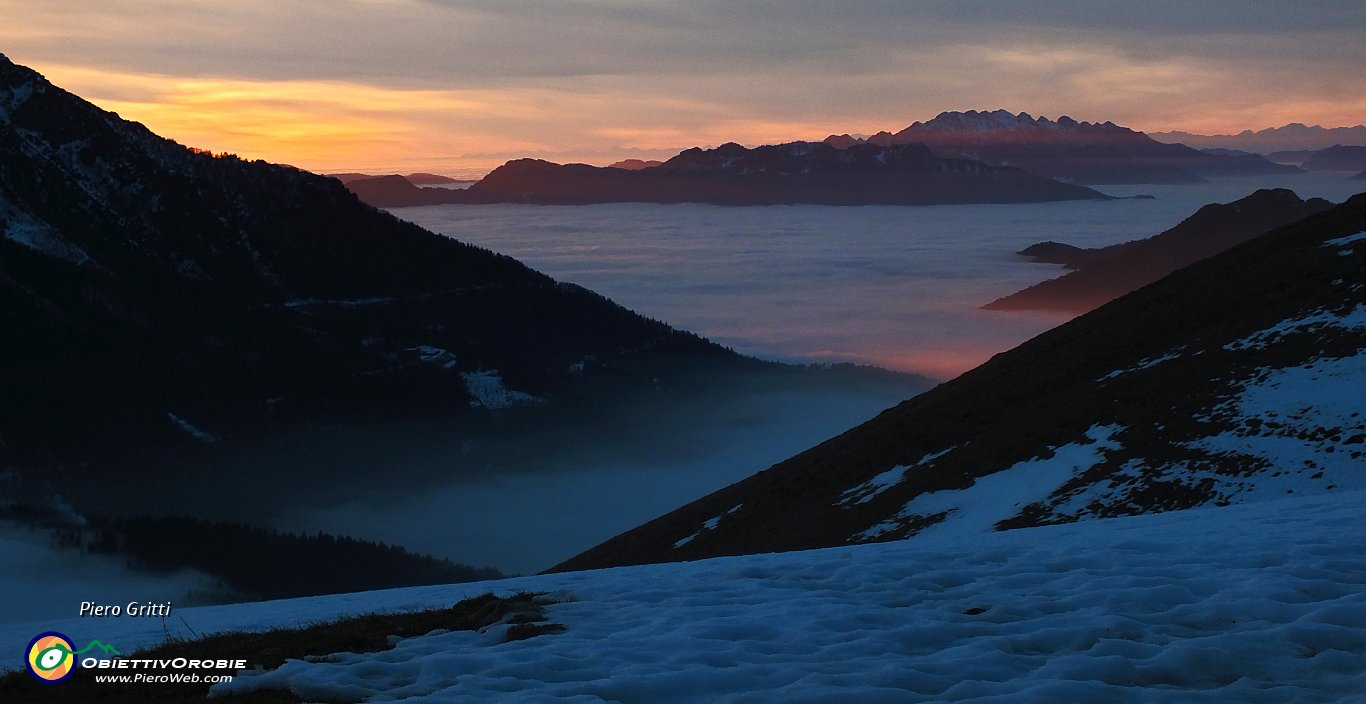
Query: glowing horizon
[{"x": 462, "y": 86}]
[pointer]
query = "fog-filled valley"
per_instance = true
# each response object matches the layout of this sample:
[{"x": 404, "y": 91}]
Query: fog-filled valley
[{"x": 895, "y": 287}]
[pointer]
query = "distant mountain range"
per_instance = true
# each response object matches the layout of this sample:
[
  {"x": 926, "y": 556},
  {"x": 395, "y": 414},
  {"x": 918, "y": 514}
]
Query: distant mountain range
[
  {"x": 799, "y": 172},
  {"x": 1080, "y": 152},
  {"x": 1237, "y": 379},
  {"x": 1107, "y": 273},
  {"x": 1294, "y": 136}
]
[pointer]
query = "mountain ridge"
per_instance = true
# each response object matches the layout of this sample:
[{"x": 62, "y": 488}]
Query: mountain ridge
[
  {"x": 1080, "y": 152},
  {"x": 1291, "y": 136},
  {"x": 796, "y": 172},
  {"x": 1101, "y": 275}
]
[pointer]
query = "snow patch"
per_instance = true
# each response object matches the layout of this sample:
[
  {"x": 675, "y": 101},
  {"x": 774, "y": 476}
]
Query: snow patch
[
  {"x": 869, "y": 490},
  {"x": 1344, "y": 241},
  {"x": 1313, "y": 322},
  {"x": 707, "y": 525},
  {"x": 15, "y": 97},
  {"x": 486, "y": 386},
  {"x": 1305, "y": 422},
  {"x": 1001, "y": 495},
  {"x": 1144, "y": 364},
  {"x": 191, "y": 430},
  {"x": 23, "y": 229}
]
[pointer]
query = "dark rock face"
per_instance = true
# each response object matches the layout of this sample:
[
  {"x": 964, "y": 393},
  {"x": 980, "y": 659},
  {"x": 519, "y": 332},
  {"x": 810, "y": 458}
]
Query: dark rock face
[
  {"x": 1234, "y": 379},
  {"x": 1080, "y": 152},
  {"x": 1107, "y": 273}
]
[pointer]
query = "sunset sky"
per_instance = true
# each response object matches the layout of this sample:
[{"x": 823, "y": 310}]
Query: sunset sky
[{"x": 460, "y": 86}]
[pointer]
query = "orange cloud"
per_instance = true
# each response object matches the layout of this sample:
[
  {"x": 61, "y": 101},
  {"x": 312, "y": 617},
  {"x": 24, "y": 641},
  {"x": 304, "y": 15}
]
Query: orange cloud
[{"x": 314, "y": 124}]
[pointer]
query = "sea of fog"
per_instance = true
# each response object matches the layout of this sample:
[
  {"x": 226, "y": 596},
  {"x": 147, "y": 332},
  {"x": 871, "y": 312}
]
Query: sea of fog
[{"x": 894, "y": 286}]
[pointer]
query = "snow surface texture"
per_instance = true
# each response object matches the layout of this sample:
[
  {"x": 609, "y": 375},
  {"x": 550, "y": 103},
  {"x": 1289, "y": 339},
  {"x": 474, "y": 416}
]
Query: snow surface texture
[{"x": 1250, "y": 603}]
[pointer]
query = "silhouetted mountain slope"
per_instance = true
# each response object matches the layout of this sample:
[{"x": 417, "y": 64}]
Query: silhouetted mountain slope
[
  {"x": 1291, "y": 156},
  {"x": 799, "y": 172},
  {"x": 149, "y": 291},
  {"x": 1236, "y": 379},
  {"x": 1110, "y": 272},
  {"x": 1051, "y": 252},
  {"x": 393, "y": 192},
  {"x": 1082, "y": 152},
  {"x": 1337, "y": 158}
]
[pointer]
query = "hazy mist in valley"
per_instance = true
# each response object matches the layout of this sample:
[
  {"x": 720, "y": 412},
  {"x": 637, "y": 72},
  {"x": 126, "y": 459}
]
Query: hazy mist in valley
[{"x": 898, "y": 287}]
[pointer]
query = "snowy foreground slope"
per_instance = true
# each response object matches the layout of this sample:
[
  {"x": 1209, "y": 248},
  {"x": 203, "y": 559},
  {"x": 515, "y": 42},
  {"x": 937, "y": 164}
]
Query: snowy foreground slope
[{"x": 1262, "y": 602}]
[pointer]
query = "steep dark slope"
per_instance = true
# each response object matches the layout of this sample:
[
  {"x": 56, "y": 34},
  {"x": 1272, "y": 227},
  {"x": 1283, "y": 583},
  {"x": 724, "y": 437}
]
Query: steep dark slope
[
  {"x": 799, "y": 172},
  {"x": 1081, "y": 152},
  {"x": 1237, "y": 378},
  {"x": 1107, "y": 273}
]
